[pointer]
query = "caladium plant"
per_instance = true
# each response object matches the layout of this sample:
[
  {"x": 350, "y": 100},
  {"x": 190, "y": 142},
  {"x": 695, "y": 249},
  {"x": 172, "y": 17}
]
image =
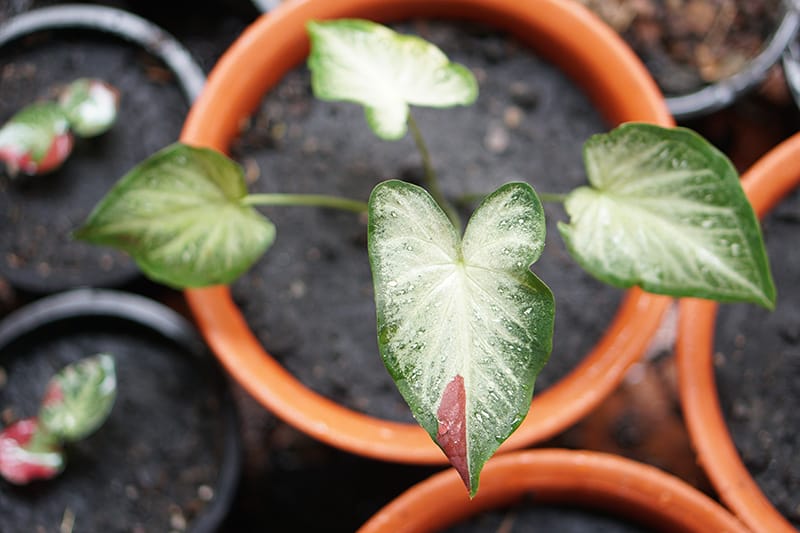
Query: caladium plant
[
  {"x": 90, "y": 106},
  {"x": 36, "y": 140},
  {"x": 77, "y": 400},
  {"x": 464, "y": 325},
  {"x": 40, "y": 137}
]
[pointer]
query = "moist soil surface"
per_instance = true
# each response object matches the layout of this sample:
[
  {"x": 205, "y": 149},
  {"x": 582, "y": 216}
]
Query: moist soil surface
[
  {"x": 687, "y": 44},
  {"x": 153, "y": 465},
  {"x": 310, "y": 300},
  {"x": 532, "y": 519},
  {"x": 757, "y": 364},
  {"x": 40, "y": 255}
]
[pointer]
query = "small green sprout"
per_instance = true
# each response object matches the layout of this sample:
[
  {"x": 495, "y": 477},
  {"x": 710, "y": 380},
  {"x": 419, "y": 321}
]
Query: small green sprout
[
  {"x": 40, "y": 137},
  {"x": 77, "y": 401}
]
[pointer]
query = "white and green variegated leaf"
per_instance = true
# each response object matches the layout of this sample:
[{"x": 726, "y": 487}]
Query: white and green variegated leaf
[
  {"x": 79, "y": 398},
  {"x": 180, "y": 215},
  {"x": 36, "y": 140},
  {"x": 665, "y": 211},
  {"x": 366, "y": 63},
  {"x": 33, "y": 129},
  {"x": 464, "y": 326},
  {"x": 90, "y": 105}
]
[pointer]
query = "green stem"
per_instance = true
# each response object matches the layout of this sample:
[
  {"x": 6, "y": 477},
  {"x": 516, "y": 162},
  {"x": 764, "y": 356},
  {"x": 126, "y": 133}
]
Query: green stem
[
  {"x": 314, "y": 200},
  {"x": 431, "y": 182},
  {"x": 553, "y": 198},
  {"x": 42, "y": 440},
  {"x": 467, "y": 200}
]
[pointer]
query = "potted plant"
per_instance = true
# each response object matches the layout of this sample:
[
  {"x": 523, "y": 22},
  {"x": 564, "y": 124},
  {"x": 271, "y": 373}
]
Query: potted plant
[
  {"x": 631, "y": 492},
  {"x": 748, "y": 366},
  {"x": 168, "y": 455},
  {"x": 229, "y": 98},
  {"x": 39, "y": 256},
  {"x": 77, "y": 400},
  {"x": 463, "y": 325}
]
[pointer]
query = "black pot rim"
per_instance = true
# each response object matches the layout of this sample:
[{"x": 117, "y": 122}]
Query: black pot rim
[
  {"x": 118, "y": 22},
  {"x": 143, "y": 311},
  {"x": 791, "y": 70},
  {"x": 723, "y": 93}
]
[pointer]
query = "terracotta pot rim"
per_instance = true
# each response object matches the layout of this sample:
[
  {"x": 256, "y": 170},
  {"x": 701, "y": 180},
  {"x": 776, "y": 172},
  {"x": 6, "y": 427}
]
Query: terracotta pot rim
[
  {"x": 133, "y": 309},
  {"x": 769, "y": 180},
  {"x": 588, "y": 479},
  {"x": 259, "y": 58}
]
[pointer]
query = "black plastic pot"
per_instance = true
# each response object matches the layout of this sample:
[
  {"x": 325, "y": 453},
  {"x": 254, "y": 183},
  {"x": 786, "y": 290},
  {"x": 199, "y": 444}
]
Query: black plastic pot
[
  {"x": 39, "y": 255},
  {"x": 168, "y": 457},
  {"x": 723, "y": 93}
]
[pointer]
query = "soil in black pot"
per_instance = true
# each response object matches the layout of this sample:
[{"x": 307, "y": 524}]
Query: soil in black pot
[
  {"x": 532, "y": 519},
  {"x": 153, "y": 466},
  {"x": 310, "y": 299},
  {"x": 205, "y": 27},
  {"x": 687, "y": 44},
  {"x": 39, "y": 213},
  {"x": 757, "y": 364}
]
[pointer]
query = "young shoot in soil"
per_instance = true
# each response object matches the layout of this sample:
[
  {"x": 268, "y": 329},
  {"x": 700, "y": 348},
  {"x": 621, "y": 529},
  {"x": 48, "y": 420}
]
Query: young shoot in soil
[
  {"x": 76, "y": 402},
  {"x": 39, "y": 137},
  {"x": 464, "y": 325}
]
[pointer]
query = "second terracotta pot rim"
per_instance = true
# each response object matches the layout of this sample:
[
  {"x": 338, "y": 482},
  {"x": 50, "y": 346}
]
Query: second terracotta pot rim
[
  {"x": 239, "y": 81},
  {"x": 589, "y": 479},
  {"x": 766, "y": 183}
]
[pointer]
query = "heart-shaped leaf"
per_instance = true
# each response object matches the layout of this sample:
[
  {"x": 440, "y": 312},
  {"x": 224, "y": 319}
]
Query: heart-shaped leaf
[
  {"x": 180, "y": 215},
  {"x": 36, "y": 140},
  {"x": 79, "y": 398},
  {"x": 665, "y": 211},
  {"x": 464, "y": 327},
  {"x": 367, "y": 63}
]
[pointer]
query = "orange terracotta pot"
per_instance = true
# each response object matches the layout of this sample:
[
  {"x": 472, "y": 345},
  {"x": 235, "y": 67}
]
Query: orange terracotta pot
[
  {"x": 608, "y": 483},
  {"x": 769, "y": 180},
  {"x": 562, "y": 31}
]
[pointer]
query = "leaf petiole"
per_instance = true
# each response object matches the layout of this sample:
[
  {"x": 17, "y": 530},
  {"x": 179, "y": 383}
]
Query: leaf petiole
[
  {"x": 431, "y": 182},
  {"x": 552, "y": 198},
  {"x": 313, "y": 200}
]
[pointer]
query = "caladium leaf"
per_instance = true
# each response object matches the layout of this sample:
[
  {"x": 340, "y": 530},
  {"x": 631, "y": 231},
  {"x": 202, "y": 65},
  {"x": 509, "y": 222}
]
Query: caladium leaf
[
  {"x": 665, "y": 211},
  {"x": 36, "y": 140},
  {"x": 464, "y": 326},
  {"x": 19, "y": 463},
  {"x": 90, "y": 106},
  {"x": 367, "y": 63},
  {"x": 79, "y": 398},
  {"x": 180, "y": 215}
]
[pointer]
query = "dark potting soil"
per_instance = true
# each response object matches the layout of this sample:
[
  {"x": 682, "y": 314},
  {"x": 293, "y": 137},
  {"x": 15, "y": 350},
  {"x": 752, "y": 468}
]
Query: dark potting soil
[
  {"x": 205, "y": 27},
  {"x": 532, "y": 519},
  {"x": 687, "y": 44},
  {"x": 154, "y": 464},
  {"x": 757, "y": 364},
  {"x": 310, "y": 300},
  {"x": 39, "y": 213}
]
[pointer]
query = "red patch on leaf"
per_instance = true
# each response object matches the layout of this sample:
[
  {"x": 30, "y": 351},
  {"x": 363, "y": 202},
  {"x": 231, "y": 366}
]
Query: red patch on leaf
[
  {"x": 17, "y": 465},
  {"x": 55, "y": 156},
  {"x": 22, "y": 161},
  {"x": 54, "y": 395},
  {"x": 452, "y": 431}
]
